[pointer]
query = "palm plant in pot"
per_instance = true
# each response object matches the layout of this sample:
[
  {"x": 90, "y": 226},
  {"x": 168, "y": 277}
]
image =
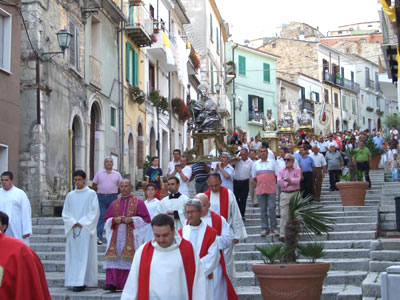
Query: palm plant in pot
[
  {"x": 375, "y": 154},
  {"x": 352, "y": 186},
  {"x": 282, "y": 276}
]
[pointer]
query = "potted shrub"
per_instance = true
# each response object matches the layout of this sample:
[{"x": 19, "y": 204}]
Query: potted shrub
[
  {"x": 375, "y": 154},
  {"x": 353, "y": 187},
  {"x": 230, "y": 68},
  {"x": 282, "y": 276}
]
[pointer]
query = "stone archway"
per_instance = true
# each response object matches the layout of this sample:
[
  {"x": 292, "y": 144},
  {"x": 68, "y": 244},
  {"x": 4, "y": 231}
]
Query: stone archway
[
  {"x": 78, "y": 144},
  {"x": 152, "y": 142},
  {"x": 94, "y": 138},
  {"x": 140, "y": 152},
  {"x": 131, "y": 157}
]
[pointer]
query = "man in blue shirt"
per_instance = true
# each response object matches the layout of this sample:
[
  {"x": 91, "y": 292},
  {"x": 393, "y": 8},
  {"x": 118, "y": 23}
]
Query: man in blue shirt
[
  {"x": 307, "y": 164},
  {"x": 378, "y": 140}
]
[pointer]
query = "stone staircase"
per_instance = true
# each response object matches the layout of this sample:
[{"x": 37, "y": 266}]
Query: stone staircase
[
  {"x": 347, "y": 247},
  {"x": 347, "y": 250}
]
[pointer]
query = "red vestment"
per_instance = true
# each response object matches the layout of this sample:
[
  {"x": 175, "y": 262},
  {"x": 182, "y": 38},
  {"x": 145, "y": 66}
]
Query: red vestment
[{"x": 21, "y": 272}]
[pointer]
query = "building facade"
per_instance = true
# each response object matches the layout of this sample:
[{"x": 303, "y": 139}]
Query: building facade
[
  {"x": 9, "y": 86},
  {"x": 255, "y": 89},
  {"x": 72, "y": 120}
]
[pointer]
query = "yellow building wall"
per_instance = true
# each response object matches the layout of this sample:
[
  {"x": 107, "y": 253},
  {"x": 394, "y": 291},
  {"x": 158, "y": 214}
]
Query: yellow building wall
[{"x": 134, "y": 114}]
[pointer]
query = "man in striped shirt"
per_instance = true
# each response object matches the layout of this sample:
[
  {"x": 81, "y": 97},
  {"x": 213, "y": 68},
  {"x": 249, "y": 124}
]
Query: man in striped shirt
[{"x": 264, "y": 175}]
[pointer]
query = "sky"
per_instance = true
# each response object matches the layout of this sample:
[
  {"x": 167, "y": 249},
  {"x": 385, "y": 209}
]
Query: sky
[{"x": 251, "y": 19}]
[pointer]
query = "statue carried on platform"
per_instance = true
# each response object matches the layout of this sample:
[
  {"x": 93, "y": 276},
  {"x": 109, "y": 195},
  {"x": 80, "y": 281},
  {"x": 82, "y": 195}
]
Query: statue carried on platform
[
  {"x": 305, "y": 119},
  {"x": 204, "y": 113},
  {"x": 286, "y": 121},
  {"x": 270, "y": 124}
]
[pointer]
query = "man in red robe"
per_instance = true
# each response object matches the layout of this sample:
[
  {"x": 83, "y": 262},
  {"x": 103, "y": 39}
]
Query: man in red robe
[
  {"x": 21, "y": 272},
  {"x": 166, "y": 267},
  {"x": 126, "y": 222}
]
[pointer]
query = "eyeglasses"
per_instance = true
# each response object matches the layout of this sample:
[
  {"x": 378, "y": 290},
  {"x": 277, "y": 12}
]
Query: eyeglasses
[{"x": 287, "y": 159}]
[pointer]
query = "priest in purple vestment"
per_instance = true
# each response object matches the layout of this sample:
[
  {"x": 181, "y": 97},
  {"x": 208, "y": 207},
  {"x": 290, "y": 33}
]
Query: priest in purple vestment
[{"x": 126, "y": 223}]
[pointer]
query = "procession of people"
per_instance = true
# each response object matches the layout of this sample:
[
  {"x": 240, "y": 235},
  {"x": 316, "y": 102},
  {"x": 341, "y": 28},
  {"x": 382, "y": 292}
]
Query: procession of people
[{"x": 184, "y": 240}]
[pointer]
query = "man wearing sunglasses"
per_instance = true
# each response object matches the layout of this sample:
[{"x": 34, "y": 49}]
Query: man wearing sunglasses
[{"x": 289, "y": 180}]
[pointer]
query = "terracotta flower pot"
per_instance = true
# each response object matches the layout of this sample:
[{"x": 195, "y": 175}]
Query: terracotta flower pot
[
  {"x": 352, "y": 192},
  {"x": 291, "y": 281},
  {"x": 374, "y": 164}
]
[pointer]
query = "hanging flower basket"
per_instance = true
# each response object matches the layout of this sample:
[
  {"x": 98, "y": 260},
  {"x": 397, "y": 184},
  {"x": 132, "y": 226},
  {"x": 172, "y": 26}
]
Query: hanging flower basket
[
  {"x": 136, "y": 94},
  {"x": 194, "y": 58},
  {"x": 155, "y": 98},
  {"x": 164, "y": 105}
]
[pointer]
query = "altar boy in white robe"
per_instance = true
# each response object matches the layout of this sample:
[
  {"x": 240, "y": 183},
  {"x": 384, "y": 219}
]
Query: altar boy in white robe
[
  {"x": 174, "y": 203},
  {"x": 80, "y": 215},
  {"x": 166, "y": 267},
  {"x": 15, "y": 203},
  {"x": 223, "y": 202},
  {"x": 203, "y": 239},
  {"x": 223, "y": 288}
]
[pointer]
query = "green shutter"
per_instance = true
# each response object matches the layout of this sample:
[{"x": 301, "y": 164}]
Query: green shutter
[
  {"x": 136, "y": 69},
  {"x": 112, "y": 116},
  {"x": 211, "y": 27},
  {"x": 242, "y": 65},
  {"x": 131, "y": 15},
  {"x": 127, "y": 63},
  {"x": 303, "y": 93},
  {"x": 260, "y": 105},
  {"x": 267, "y": 73}
]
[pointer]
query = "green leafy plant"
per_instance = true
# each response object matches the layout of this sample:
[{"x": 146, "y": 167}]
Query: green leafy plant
[
  {"x": 358, "y": 175},
  {"x": 155, "y": 98},
  {"x": 392, "y": 120},
  {"x": 312, "y": 251},
  {"x": 164, "y": 105},
  {"x": 372, "y": 148},
  {"x": 304, "y": 217},
  {"x": 136, "y": 94}
]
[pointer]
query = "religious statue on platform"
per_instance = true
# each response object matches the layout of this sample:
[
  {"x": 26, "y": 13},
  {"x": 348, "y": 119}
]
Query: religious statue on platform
[
  {"x": 270, "y": 124},
  {"x": 286, "y": 121},
  {"x": 305, "y": 119},
  {"x": 204, "y": 113}
]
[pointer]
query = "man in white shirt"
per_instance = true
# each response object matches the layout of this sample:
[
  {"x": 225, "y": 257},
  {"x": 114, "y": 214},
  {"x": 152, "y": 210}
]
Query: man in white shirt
[
  {"x": 15, "y": 203},
  {"x": 177, "y": 161},
  {"x": 241, "y": 179},
  {"x": 323, "y": 146},
  {"x": 313, "y": 141},
  {"x": 256, "y": 144},
  {"x": 318, "y": 172},
  {"x": 183, "y": 172},
  {"x": 174, "y": 203},
  {"x": 394, "y": 131},
  {"x": 226, "y": 171},
  {"x": 166, "y": 267}
]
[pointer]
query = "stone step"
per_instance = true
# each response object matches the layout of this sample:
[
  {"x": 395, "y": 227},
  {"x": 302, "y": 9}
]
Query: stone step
[
  {"x": 385, "y": 255},
  {"x": 371, "y": 286},
  {"x": 334, "y": 214},
  {"x": 60, "y": 256},
  {"x": 61, "y": 293},
  {"x": 337, "y": 220},
  {"x": 336, "y": 226},
  {"x": 57, "y": 279},
  {"x": 329, "y": 253},
  {"x": 329, "y": 292},
  {"x": 385, "y": 244},
  {"x": 58, "y": 247},
  {"x": 344, "y": 235},
  {"x": 380, "y": 266},
  {"x": 58, "y": 266},
  {"x": 337, "y": 264}
]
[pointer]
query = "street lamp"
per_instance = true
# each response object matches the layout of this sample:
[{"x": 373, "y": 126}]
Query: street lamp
[{"x": 64, "y": 40}]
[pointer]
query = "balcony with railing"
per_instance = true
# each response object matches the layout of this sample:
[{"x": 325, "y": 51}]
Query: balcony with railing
[
  {"x": 140, "y": 25},
  {"x": 256, "y": 118},
  {"x": 342, "y": 82},
  {"x": 307, "y": 105},
  {"x": 224, "y": 106}
]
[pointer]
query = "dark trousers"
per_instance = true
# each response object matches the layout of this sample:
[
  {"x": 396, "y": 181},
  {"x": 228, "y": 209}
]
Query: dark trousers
[
  {"x": 201, "y": 186},
  {"x": 241, "y": 191},
  {"x": 104, "y": 202},
  {"x": 333, "y": 178},
  {"x": 364, "y": 166},
  {"x": 306, "y": 184}
]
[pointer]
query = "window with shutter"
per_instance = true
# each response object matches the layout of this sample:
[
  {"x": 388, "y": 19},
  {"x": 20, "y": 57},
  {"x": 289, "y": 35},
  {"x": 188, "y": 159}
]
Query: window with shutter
[
  {"x": 217, "y": 38},
  {"x": 267, "y": 74},
  {"x": 260, "y": 105},
  {"x": 242, "y": 65},
  {"x": 127, "y": 63},
  {"x": 72, "y": 44},
  {"x": 212, "y": 78},
  {"x": 135, "y": 68},
  {"x": 303, "y": 93}
]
